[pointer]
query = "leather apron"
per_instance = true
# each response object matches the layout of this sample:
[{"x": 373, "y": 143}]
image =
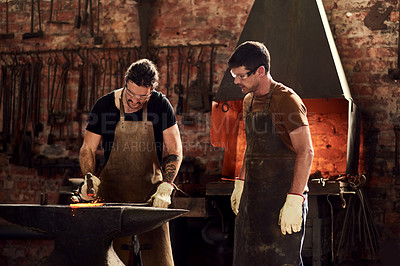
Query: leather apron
[
  {"x": 131, "y": 175},
  {"x": 268, "y": 176}
]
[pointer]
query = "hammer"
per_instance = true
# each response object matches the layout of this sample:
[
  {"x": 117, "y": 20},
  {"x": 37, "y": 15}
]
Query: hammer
[{"x": 89, "y": 181}]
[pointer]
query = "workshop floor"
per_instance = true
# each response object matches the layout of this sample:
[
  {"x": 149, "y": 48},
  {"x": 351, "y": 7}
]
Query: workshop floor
[{"x": 191, "y": 249}]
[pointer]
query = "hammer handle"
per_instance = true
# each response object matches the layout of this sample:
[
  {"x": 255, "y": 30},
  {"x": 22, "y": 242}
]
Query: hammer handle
[{"x": 89, "y": 182}]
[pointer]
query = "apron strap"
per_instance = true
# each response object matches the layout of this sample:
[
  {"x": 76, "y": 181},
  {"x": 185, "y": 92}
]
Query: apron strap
[
  {"x": 144, "y": 113},
  {"x": 268, "y": 101},
  {"x": 269, "y": 97},
  {"x": 121, "y": 108}
]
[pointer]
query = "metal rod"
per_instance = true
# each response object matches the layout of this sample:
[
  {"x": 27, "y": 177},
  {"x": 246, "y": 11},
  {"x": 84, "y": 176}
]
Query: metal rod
[
  {"x": 335, "y": 53},
  {"x": 332, "y": 231}
]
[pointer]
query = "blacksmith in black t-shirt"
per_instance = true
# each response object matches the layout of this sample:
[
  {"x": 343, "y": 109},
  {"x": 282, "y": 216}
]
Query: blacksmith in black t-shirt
[
  {"x": 134, "y": 123},
  {"x": 105, "y": 115}
]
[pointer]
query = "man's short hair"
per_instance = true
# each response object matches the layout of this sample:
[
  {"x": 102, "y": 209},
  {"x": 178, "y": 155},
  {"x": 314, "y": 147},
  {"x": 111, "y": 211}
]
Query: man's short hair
[
  {"x": 143, "y": 73},
  {"x": 250, "y": 54}
]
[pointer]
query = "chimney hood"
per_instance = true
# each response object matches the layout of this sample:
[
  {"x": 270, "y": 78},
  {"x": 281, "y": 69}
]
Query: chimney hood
[
  {"x": 303, "y": 52},
  {"x": 303, "y": 57}
]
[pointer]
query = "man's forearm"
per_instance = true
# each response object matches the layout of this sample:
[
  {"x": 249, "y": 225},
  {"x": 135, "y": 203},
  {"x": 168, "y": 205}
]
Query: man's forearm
[
  {"x": 302, "y": 170},
  {"x": 87, "y": 161},
  {"x": 302, "y": 144},
  {"x": 242, "y": 169},
  {"x": 170, "y": 167}
]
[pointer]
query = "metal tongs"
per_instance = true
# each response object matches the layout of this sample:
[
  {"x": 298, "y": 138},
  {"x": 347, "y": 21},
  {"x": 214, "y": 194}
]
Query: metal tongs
[{"x": 354, "y": 182}]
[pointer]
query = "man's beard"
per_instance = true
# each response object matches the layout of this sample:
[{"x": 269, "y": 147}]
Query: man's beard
[
  {"x": 246, "y": 89},
  {"x": 134, "y": 107}
]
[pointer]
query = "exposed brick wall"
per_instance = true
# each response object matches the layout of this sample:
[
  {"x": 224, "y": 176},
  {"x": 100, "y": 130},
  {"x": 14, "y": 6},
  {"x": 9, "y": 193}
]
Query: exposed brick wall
[
  {"x": 328, "y": 128},
  {"x": 366, "y": 56}
]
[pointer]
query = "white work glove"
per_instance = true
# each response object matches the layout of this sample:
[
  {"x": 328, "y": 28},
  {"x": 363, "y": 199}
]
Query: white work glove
[
  {"x": 96, "y": 183},
  {"x": 236, "y": 195},
  {"x": 162, "y": 197},
  {"x": 291, "y": 214}
]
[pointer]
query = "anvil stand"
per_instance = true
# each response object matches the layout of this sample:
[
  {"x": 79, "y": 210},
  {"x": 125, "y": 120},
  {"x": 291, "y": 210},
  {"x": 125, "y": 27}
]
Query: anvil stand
[{"x": 83, "y": 236}]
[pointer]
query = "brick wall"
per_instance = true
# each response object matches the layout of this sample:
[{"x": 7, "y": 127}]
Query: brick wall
[{"x": 366, "y": 56}]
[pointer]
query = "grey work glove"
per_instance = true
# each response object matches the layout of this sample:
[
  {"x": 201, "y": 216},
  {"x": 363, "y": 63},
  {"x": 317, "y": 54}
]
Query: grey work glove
[
  {"x": 236, "y": 195},
  {"x": 291, "y": 214},
  {"x": 84, "y": 188},
  {"x": 162, "y": 197}
]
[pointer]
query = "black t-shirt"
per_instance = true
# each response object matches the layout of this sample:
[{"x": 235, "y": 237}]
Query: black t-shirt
[{"x": 105, "y": 115}]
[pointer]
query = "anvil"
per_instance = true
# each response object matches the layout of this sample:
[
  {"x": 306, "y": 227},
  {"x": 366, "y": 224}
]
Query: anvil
[{"x": 83, "y": 236}]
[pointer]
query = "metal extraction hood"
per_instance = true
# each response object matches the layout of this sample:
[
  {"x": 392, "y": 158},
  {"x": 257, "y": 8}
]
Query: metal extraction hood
[
  {"x": 303, "y": 52},
  {"x": 303, "y": 57}
]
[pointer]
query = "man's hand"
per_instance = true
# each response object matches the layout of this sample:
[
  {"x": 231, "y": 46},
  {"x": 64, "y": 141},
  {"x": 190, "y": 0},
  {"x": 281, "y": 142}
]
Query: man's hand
[
  {"x": 84, "y": 189},
  {"x": 291, "y": 215},
  {"x": 236, "y": 195},
  {"x": 162, "y": 197}
]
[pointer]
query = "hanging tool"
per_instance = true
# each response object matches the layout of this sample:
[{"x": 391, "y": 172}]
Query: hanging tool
[
  {"x": 110, "y": 66},
  {"x": 51, "y": 97},
  {"x": 3, "y": 83},
  {"x": 25, "y": 149},
  {"x": 358, "y": 225},
  {"x": 80, "y": 103},
  {"x": 199, "y": 96},
  {"x": 37, "y": 125},
  {"x": 207, "y": 104},
  {"x": 6, "y": 94},
  {"x": 85, "y": 13},
  {"x": 98, "y": 39},
  {"x": 103, "y": 68},
  {"x": 6, "y": 35},
  {"x": 93, "y": 84},
  {"x": 15, "y": 72},
  {"x": 394, "y": 73},
  {"x": 91, "y": 17},
  {"x": 51, "y": 16},
  {"x": 60, "y": 110},
  {"x": 374, "y": 19},
  {"x": 168, "y": 72},
  {"x": 178, "y": 86},
  {"x": 144, "y": 10},
  {"x": 33, "y": 34},
  {"x": 18, "y": 122},
  {"x": 187, "y": 119},
  {"x": 396, "y": 168},
  {"x": 9, "y": 103},
  {"x": 77, "y": 20}
]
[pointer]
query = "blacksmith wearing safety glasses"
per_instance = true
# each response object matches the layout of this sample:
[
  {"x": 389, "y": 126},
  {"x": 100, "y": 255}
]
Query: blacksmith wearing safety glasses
[
  {"x": 133, "y": 124},
  {"x": 270, "y": 194}
]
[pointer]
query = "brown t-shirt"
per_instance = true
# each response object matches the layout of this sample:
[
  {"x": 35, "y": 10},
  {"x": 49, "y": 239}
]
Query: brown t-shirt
[{"x": 287, "y": 110}]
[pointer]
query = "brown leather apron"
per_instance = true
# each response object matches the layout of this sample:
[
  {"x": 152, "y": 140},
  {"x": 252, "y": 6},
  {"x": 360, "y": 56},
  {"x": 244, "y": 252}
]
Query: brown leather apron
[
  {"x": 269, "y": 171},
  {"x": 130, "y": 175}
]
